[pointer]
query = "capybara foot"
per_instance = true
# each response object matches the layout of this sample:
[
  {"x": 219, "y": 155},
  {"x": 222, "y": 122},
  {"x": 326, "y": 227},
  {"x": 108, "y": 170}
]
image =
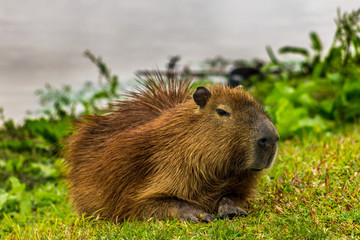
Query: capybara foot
[
  {"x": 186, "y": 212},
  {"x": 228, "y": 209},
  {"x": 196, "y": 217}
]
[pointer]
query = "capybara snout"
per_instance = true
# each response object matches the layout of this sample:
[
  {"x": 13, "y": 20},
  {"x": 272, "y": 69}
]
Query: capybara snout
[{"x": 266, "y": 145}]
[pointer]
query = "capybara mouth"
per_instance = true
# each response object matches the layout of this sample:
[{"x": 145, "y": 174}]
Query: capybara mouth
[
  {"x": 256, "y": 170},
  {"x": 264, "y": 162}
]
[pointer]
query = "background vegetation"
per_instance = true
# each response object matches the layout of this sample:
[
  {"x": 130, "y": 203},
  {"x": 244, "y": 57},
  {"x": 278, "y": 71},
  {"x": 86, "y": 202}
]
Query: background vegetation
[{"x": 311, "y": 192}]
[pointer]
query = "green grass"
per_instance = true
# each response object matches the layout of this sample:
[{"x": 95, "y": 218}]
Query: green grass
[{"x": 312, "y": 192}]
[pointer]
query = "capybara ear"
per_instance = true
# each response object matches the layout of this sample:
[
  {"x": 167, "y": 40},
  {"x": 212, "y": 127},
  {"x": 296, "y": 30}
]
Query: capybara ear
[{"x": 201, "y": 96}]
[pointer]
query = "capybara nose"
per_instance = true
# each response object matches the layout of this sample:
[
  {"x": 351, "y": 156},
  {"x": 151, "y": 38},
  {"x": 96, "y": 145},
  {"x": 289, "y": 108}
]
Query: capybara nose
[
  {"x": 267, "y": 135},
  {"x": 263, "y": 142},
  {"x": 268, "y": 141}
]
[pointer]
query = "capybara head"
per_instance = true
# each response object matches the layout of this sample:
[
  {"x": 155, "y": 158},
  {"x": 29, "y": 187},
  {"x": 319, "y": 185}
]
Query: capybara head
[{"x": 237, "y": 120}]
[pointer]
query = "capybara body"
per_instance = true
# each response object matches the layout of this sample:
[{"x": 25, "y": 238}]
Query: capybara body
[{"x": 166, "y": 153}]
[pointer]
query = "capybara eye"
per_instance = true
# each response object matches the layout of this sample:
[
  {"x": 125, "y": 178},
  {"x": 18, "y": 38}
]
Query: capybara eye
[{"x": 222, "y": 113}]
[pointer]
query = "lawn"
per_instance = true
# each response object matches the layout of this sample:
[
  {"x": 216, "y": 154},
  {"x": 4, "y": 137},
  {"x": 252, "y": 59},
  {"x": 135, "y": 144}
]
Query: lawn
[{"x": 312, "y": 192}]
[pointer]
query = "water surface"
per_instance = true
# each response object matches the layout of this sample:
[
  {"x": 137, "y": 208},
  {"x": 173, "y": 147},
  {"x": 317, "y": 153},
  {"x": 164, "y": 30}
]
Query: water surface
[{"x": 43, "y": 41}]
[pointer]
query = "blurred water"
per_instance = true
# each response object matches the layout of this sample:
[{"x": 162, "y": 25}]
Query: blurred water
[{"x": 43, "y": 41}]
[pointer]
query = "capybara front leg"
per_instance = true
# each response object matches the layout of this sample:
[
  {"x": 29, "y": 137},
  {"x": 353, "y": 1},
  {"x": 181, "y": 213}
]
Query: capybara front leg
[
  {"x": 229, "y": 209},
  {"x": 184, "y": 211}
]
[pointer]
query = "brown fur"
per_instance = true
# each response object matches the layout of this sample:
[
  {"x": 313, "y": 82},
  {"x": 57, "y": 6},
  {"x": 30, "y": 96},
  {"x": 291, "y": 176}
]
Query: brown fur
[{"x": 160, "y": 155}]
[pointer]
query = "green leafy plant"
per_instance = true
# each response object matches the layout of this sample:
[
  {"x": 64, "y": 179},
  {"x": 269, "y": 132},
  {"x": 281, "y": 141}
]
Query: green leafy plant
[
  {"x": 65, "y": 102},
  {"x": 348, "y": 36},
  {"x": 318, "y": 94}
]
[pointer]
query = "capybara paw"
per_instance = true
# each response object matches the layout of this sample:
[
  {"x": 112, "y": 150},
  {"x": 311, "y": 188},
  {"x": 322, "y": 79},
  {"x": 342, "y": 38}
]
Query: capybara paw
[
  {"x": 187, "y": 212},
  {"x": 228, "y": 209},
  {"x": 197, "y": 217},
  {"x": 206, "y": 217},
  {"x": 230, "y": 213}
]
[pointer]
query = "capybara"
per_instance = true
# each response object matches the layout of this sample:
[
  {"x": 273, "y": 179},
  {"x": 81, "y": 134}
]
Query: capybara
[{"x": 167, "y": 152}]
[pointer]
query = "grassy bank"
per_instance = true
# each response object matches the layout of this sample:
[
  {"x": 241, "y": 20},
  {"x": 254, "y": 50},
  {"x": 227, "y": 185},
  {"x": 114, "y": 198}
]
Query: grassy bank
[{"x": 311, "y": 192}]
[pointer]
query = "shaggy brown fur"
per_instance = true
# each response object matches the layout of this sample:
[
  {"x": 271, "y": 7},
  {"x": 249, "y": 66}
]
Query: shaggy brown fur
[{"x": 162, "y": 153}]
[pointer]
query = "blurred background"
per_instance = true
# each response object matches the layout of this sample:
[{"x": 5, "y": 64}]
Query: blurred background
[{"x": 43, "y": 41}]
